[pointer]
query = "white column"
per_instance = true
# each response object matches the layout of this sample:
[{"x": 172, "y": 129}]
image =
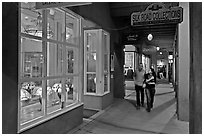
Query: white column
[{"x": 184, "y": 64}]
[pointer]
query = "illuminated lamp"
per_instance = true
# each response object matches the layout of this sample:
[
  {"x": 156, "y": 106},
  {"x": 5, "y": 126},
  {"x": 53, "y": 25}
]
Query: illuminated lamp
[
  {"x": 170, "y": 57},
  {"x": 158, "y": 48},
  {"x": 52, "y": 12},
  {"x": 150, "y": 37},
  {"x": 160, "y": 53}
]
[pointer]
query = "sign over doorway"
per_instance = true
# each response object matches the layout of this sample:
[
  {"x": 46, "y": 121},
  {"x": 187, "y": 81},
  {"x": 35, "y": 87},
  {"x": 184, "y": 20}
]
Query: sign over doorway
[{"x": 157, "y": 14}]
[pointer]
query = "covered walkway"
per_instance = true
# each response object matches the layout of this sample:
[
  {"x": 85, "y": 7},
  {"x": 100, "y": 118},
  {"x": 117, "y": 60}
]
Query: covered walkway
[{"x": 122, "y": 117}]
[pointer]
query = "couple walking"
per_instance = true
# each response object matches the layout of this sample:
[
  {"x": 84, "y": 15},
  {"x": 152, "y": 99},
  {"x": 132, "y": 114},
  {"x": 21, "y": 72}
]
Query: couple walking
[{"x": 144, "y": 81}]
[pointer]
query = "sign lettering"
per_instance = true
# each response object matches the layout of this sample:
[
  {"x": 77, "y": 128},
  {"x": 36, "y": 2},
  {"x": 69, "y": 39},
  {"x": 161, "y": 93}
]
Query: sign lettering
[{"x": 163, "y": 15}]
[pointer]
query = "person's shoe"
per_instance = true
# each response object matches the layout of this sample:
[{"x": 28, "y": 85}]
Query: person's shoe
[
  {"x": 137, "y": 107},
  {"x": 148, "y": 109},
  {"x": 142, "y": 105}
]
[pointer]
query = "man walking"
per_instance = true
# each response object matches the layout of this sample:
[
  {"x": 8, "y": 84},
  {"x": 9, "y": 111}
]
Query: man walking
[{"x": 138, "y": 80}]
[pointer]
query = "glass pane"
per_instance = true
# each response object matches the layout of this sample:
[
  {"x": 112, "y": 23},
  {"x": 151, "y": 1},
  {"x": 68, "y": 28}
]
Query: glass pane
[
  {"x": 105, "y": 43},
  {"x": 54, "y": 59},
  {"x": 69, "y": 60},
  {"x": 71, "y": 85},
  {"x": 56, "y": 25},
  {"x": 31, "y": 19},
  {"x": 92, "y": 42},
  {"x": 105, "y": 83},
  {"x": 129, "y": 59},
  {"x": 55, "y": 95},
  {"x": 31, "y": 58},
  {"x": 91, "y": 83},
  {"x": 31, "y": 100},
  {"x": 91, "y": 62},
  {"x": 72, "y": 30},
  {"x": 106, "y": 62}
]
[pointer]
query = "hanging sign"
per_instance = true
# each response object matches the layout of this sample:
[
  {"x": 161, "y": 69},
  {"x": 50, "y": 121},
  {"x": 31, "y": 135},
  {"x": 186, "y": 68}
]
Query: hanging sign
[
  {"x": 132, "y": 37},
  {"x": 42, "y": 5},
  {"x": 149, "y": 50},
  {"x": 157, "y": 14}
]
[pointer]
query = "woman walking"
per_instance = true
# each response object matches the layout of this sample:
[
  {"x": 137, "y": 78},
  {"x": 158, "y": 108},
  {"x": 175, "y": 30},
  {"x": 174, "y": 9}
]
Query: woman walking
[{"x": 150, "y": 81}]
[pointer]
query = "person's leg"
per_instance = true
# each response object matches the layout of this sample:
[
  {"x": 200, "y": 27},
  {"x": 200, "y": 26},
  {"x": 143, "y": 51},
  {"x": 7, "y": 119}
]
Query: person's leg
[
  {"x": 152, "y": 96},
  {"x": 142, "y": 96},
  {"x": 148, "y": 99},
  {"x": 137, "y": 95}
]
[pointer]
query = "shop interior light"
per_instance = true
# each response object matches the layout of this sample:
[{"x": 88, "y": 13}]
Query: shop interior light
[
  {"x": 158, "y": 48},
  {"x": 160, "y": 53},
  {"x": 52, "y": 12},
  {"x": 150, "y": 37},
  {"x": 170, "y": 57}
]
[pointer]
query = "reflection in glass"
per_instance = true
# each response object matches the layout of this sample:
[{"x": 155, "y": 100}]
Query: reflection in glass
[
  {"x": 106, "y": 64},
  {"x": 55, "y": 98},
  {"x": 92, "y": 41},
  {"x": 91, "y": 83},
  {"x": 71, "y": 90},
  {"x": 54, "y": 59},
  {"x": 72, "y": 30},
  {"x": 105, "y": 40},
  {"x": 91, "y": 62},
  {"x": 69, "y": 60},
  {"x": 56, "y": 25},
  {"x": 31, "y": 19},
  {"x": 31, "y": 100},
  {"x": 105, "y": 83},
  {"x": 32, "y": 58}
]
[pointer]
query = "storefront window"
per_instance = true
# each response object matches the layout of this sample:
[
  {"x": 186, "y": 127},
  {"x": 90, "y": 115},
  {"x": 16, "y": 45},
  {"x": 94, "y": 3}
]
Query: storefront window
[
  {"x": 129, "y": 59},
  {"x": 31, "y": 100},
  {"x": 91, "y": 62},
  {"x": 91, "y": 83},
  {"x": 71, "y": 30},
  {"x": 71, "y": 60},
  {"x": 55, "y": 97},
  {"x": 31, "y": 57},
  {"x": 106, "y": 88},
  {"x": 146, "y": 63},
  {"x": 31, "y": 20},
  {"x": 71, "y": 85},
  {"x": 49, "y": 73},
  {"x": 54, "y": 59},
  {"x": 56, "y": 25},
  {"x": 91, "y": 42}
]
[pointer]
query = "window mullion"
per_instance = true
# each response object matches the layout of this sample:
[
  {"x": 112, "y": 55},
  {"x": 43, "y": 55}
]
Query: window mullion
[{"x": 44, "y": 93}]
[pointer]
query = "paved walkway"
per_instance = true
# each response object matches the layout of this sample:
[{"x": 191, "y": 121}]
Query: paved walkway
[{"x": 123, "y": 118}]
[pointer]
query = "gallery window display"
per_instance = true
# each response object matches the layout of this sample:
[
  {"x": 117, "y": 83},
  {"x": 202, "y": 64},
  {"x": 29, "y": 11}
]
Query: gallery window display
[
  {"x": 49, "y": 61},
  {"x": 146, "y": 63},
  {"x": 97, "y": 60}
]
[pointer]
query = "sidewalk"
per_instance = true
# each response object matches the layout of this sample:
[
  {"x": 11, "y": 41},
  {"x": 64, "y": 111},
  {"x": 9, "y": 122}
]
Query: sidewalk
[{"x": 123, "y": 118}]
